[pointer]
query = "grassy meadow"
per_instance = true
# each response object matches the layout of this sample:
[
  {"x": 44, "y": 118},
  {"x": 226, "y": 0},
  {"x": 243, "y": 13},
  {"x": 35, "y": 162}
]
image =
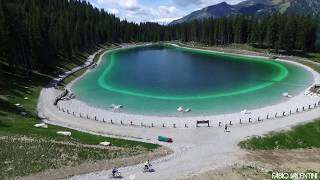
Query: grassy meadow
[
  {"x": 304, "y": 136},
  {"x": 25, "y": 149}
]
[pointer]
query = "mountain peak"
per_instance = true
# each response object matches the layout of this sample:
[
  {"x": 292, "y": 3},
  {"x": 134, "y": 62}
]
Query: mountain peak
[
  {"x": 222, "y": 3},
  {"x": 255, "y": 7}
]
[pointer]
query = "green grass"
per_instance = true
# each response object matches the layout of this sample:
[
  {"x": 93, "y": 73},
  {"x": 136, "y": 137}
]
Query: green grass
[
  {"x": 26, "y": 128},
  {"x": 78, "y": 73},
  {"x": 304, "y": 136},
  {"x": 20, "y": 157},
  {"x": 14, "y": 88},
  {"x": 315, "y": 56},
  {"x": 310, "y": 64},
  {"x": 13, "y": 123},
  {"x": 246, "y": 47},
  {"x": 71, "y": 78}
]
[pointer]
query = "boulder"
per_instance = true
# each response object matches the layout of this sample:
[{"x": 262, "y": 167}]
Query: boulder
[
  {"x": 41, "y": 125},
  {"x": 65, "y": 133},
  {"x": 105, "y": 143}
]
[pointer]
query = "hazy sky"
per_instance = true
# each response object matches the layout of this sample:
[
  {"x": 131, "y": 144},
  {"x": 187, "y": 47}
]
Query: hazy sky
[{"x": 154, "y": 10}]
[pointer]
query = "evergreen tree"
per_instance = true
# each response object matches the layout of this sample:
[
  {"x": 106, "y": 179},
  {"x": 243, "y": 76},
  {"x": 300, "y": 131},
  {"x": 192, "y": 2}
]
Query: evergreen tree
[{"x": 40, "y": 34}]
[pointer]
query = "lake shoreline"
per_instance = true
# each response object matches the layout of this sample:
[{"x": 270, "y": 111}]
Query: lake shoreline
[
  {"x": 90, "y": 112},
  {"x": 206, "y": 145}
]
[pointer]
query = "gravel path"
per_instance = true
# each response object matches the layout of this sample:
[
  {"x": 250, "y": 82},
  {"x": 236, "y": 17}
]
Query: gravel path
[{"x": 196, "y": 150}]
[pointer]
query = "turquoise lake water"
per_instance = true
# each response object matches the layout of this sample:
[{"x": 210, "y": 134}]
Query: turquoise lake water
[{"x": 156, "y": 80}]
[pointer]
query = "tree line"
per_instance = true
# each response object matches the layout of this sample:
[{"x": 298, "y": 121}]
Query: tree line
[
  {"x": 278, "y": 32},
  {"x": 39, "y": 34}
]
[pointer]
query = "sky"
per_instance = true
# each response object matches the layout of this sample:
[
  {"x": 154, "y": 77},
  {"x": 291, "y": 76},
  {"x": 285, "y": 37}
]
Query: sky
[{"x": 161, "y": 11}]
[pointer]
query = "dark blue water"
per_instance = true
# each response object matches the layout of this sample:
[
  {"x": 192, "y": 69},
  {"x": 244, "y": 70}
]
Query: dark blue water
[
  {"x": 157, "y": 80},
  {"x": 161, "y": 70}
]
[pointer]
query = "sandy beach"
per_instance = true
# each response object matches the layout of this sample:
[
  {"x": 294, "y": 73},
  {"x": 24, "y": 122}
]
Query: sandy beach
[
  {"x": 78, "y": 108},
  {"x": 196, "y": 150}
]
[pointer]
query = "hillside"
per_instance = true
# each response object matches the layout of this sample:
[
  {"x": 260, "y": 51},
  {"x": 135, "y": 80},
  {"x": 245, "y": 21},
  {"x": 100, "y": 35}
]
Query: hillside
[{"x": 255, "y": 7}]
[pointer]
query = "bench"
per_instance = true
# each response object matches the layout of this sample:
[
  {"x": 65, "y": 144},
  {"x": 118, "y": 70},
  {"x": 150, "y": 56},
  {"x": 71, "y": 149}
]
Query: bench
[{"x": 203, "y": 122}]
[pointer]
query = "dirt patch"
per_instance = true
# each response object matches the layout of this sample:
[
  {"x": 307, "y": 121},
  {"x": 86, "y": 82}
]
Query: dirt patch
[
  {"x": 235, "y": 172},
  {"x": 301, "y": 159},
  {"x": 100, "y": 165},
  {"x": 4, "y": 97},
  {"x": 29, "y": 139},
  {"x": 260, "y": 164}
]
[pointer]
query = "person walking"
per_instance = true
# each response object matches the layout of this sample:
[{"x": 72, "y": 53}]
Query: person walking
[
  {"x": 147, "y": 164},
  {"x": 115, "y": 172},
  {"x": 226, "y": 128}
]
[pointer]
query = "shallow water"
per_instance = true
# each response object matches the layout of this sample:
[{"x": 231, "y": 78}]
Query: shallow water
[{"x": 156, "y": 80}]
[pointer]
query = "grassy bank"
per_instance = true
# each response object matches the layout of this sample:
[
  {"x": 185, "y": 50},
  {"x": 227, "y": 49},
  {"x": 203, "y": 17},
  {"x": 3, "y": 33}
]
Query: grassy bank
[
  {"x": 310, "y": 64},
  {"x": 303, "y": 136},
  {"x": 18, "y": 157},
  {"x": 312, "y": 56},
  {"x": 80, "y": 72}
]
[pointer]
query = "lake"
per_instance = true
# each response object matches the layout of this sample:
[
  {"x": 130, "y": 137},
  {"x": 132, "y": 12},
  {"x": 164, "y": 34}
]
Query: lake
[{"x": 157, "y": 79}]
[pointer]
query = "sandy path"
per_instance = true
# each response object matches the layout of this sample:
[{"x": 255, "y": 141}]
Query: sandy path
[
  {"x": 99, "y": 165},
  {"x": 196, "y": 150}
]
